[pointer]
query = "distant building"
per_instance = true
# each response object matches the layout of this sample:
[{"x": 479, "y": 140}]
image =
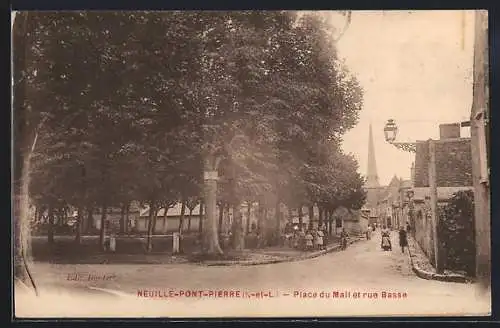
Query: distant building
[
  {"x": 391, "y": 206},
  {"x": 170, "y": 222},
  {"x": 354, "y": 221}
]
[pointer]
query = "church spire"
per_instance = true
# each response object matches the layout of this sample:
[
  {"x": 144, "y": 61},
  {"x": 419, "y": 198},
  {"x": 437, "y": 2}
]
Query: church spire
[{"x": 371, "y": 176}]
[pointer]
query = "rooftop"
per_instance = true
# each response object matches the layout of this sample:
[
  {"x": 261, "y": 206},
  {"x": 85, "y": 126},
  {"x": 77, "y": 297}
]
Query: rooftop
[{"x": 453, "y": 160}]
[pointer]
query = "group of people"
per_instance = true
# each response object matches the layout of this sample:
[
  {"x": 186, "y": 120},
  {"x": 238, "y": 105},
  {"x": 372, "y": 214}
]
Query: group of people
[
  {"x": 310, "y": 239},
  {"x": 403, "y": 233},
  {"x": 314, "y": 238}
]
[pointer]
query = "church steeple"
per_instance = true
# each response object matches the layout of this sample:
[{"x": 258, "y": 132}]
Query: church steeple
[{"x": 371, "y": 174}]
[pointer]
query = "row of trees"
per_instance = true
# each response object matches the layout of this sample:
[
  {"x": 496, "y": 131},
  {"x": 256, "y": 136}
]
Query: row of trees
[{"x": 114, "y": 107}]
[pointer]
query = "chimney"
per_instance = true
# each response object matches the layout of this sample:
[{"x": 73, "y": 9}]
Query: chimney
[{"x": 449, "y": 131}]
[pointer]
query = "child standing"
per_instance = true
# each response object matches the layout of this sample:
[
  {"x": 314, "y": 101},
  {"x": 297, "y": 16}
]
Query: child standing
[{"x": 309, "y": 241}]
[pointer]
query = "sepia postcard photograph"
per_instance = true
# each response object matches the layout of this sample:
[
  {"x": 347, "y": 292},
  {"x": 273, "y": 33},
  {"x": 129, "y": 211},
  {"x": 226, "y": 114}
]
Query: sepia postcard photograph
[{"x": 250, "y": 164}]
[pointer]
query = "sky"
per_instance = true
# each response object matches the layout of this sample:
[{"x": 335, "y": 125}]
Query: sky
[{"x": 415, "y": 68}]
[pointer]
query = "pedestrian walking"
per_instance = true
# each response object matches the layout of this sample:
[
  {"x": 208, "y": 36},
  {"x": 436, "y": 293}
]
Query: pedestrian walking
[
  {"x": 385, "y": 242},
  {"x": 403, "y": 239},
  {"x": 408, "y": 227}
]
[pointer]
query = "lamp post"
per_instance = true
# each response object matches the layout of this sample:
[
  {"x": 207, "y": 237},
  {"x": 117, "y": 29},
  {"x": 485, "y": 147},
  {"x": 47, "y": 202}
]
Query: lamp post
[{"x": 390, "y": 133}]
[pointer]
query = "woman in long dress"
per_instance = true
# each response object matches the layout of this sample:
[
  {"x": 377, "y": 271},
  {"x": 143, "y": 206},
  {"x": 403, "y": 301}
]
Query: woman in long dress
[
  {"x": 309, "y": 240},
  {"x": 403, "y": 239},
  {"x": 385, "y": 240},
  {"x": 319, "y": 239}
]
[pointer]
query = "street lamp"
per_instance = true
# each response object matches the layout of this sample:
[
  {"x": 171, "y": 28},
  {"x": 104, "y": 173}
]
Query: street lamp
[{"x": 391, "y": 132}]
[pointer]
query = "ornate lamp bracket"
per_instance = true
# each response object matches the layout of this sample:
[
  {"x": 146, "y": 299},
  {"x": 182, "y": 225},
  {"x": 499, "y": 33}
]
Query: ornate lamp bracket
[{"x": 406, "y": 146}]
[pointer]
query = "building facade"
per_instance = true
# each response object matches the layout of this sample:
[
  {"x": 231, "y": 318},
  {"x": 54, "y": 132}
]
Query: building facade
[
  {"x": 453, "y": 161},
  {"x": 480, "y": 147}
]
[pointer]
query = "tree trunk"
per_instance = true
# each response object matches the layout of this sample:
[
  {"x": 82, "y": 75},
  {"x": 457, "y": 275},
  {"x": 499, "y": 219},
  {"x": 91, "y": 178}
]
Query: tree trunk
[
  {"x": 278, "y": 216},
  {"x": 249, "y": 212},
  {"x": 189, "y": 219},
  {"x": 22, "y": 158},
  {"x": 200, "y": 221},
  {"x": 103, "y": 226},
  {"x": 221, "y": 215},
  {"x": 149, "y": 238},
  {"x": 181, "y": 219},
  {"x": 211, "y": 235},
  {"x": 82, "y": 220},
  {"x": 155, "y": 220},
  {"x": 277, "y": 213},
  {"x": 260, "y": 219},
  {"x": 60, "y": 216},
  {"x": 330, "y": 221},
  {"x": 311, "y": 216},
  {"x": 19, "y": 238},
  {"x": 264, "y": 230},
  {"x": 55, "y": 213},
  {"x": 90, "y": 220},
  {"x": 127, "y": 217},
  {"x": 79, "y": 226},
  {"x": 50, "y": 225},
  {"x": 122, "y": 218},
  {"x": 320, "y": 217},
  {"x": 300, "y": 217},
  {"x": 165, "y": 220},
  {"x": 238, "y": 228}
]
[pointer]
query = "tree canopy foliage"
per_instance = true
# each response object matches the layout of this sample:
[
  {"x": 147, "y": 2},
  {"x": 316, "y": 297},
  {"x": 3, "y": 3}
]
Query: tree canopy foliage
[{"x": 130, "y": 105}]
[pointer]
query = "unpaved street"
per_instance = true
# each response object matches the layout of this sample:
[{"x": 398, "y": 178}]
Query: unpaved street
[{"x": 293, "y": 289}]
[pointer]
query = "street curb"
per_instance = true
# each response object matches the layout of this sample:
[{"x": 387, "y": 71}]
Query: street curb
[
  {"x": 282, "y": 260},
  {"x": 436, "y": 276}
]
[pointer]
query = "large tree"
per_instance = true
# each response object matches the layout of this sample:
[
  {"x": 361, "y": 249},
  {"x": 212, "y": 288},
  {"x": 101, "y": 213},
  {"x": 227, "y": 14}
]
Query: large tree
[{"x": 147, "y": 105}]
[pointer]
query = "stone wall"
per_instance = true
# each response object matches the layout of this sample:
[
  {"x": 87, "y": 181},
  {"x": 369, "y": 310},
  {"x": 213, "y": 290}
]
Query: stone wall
[{"x": 423, "y": 229}]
